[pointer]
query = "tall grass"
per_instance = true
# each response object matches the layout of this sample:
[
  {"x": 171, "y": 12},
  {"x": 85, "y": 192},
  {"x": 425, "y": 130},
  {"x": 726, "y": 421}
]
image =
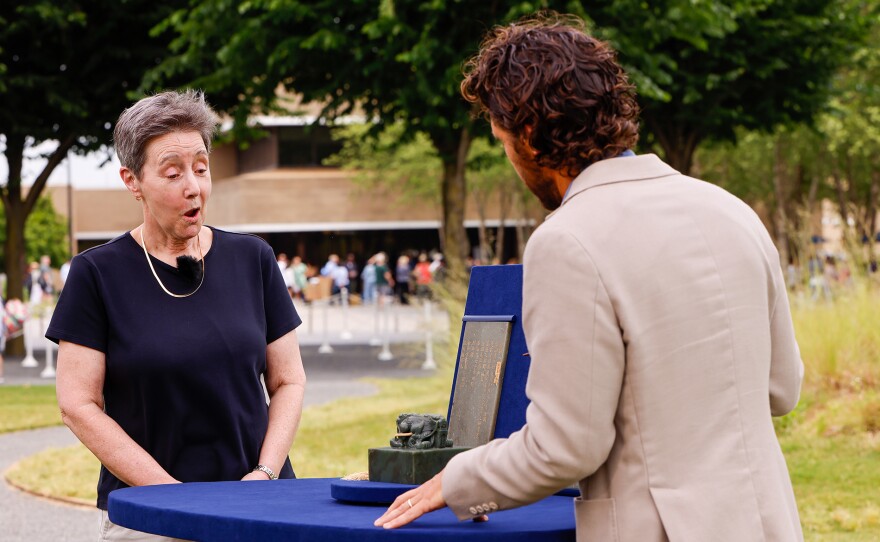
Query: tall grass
[{"x": 840, "y": 340}]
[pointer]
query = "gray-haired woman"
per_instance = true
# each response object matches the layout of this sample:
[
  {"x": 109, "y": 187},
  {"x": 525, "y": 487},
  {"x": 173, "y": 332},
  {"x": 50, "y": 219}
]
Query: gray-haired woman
[{"x": 166, "y": 331}]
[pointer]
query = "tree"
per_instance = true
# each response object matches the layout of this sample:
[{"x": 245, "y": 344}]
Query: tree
[
  {"x": 45, "y": 232},
  {"x": 703, "y": 68},
  {"x": 379, "y": 161},
  {"x": 394, "y": 61},
  {"x": 852, "y": 137},
  {"x": 782, "y": 175},
  {"x": 412, "y": 171},
  {"x": 491, "y": 177},
  {"x": 755, "y": 64},
  {"x": 66, "y": 70}
]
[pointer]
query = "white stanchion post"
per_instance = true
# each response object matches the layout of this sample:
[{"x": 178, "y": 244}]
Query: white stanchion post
[
  {"x": 311, "y": 324},
  {"x": 325, "y": 347},
  {"x": 49, "y": 370},
  {"x": 429, "y": 364},
  {"x": 377, "y": 301},
  {"x": 29, "y": 359},
  {"x": 385, "y": 354},
  {"x": 346, "y": 332}
]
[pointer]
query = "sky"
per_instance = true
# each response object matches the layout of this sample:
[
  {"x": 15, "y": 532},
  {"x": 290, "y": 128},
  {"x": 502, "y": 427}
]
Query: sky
[{"x": 92, "y": 171}]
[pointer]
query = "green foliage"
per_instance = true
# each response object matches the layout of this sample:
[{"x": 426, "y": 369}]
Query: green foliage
[
  {"x": 851, "y": 137},
  {"x": 408, "y": 165},
  {"x": 68, "y": 68},
  {"x": 408, "y": 168},
  {"x": 392, "y": 61},
  {"x": 70, "y": 65},
  {"x": 488, "y": 167},
  {"x": 705, "y": 69},
  {"x": 45, "y": 232}
]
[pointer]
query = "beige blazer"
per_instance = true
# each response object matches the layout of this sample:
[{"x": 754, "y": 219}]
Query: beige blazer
[{"x": 661, "y": 344}]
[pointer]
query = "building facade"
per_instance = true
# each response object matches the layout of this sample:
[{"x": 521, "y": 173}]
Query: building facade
[{"x": 277, "y": 188}]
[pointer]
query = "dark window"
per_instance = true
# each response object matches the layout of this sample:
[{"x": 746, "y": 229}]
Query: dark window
[{"x": 305, "y": 145}]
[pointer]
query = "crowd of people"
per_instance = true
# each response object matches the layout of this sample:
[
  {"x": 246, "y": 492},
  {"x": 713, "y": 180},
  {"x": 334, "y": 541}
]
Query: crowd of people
[
  {"x": 825, "y": 273},
  {"x": 411, "y": 274}
]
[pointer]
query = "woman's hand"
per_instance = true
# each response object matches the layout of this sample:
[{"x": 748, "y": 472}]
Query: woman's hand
[{"x": 255, "y": 475}]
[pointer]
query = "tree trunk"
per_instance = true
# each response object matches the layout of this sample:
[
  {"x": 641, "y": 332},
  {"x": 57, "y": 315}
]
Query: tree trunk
[
  {"x": 454, "y": 191},
  {"x": 679, "y": 143},
  {"x": 841, "y": 200},
  {"x": 872, "y": 206},
  {"x": 480, "y": 198},
  {"x": 779, "y": 191},
  {"x": 17, "y": 212},
  {"x": 521, "y": 224},
  {"x": 14, "y": 247},
  {"x": 503, "y": 207}
]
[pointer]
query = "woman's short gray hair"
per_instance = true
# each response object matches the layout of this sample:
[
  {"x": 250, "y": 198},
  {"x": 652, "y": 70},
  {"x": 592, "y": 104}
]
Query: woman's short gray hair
[{"x": 158, "y": 115}]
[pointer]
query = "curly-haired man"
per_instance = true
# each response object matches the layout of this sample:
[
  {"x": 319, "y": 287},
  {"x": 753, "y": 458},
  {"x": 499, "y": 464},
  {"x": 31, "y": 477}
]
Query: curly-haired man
[{"x": 656, "y": 315}]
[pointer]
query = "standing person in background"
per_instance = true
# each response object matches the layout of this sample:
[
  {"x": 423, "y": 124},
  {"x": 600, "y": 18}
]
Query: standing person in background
[
  {"x": 286, "y": 272},
  {"x": 655, "y": 312},
  {"x": 48, "y": 281},
  {"x": 63, "y": 272},
  {"x": 368, "y": 275},
  {"x": 36, "y": 286},
  {"x": 166, "y": 331},
  {"x": 384, "y": 281},
  {"x": 340, "y": 279},
  {"x": 423, "y": 276},
  {"x": 438, "y": 270},
  {"x": 352, "y": 267},
  {"x": 283, "y": 262},
  {"x": 330, "y": 265},
  {"x": 402, "y": 274},
  {"x": 299, "y": 268}
]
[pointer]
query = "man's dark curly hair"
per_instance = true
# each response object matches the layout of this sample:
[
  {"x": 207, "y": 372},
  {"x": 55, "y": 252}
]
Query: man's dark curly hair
[{"x": 547, "y": 73}]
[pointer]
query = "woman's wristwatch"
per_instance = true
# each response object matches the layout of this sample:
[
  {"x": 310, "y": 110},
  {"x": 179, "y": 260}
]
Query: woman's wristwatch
[{"x": 269, "y": 472}]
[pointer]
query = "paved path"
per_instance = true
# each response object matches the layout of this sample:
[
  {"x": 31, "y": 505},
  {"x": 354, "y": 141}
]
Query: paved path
[{"x": 25, "y": 518}]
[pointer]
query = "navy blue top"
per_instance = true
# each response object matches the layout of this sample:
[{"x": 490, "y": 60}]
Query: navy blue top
[{"x": 182, "y": 375}]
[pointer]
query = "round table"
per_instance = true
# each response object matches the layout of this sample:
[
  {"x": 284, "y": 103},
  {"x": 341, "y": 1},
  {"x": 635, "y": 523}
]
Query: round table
[{"x": 303, "y": 510}]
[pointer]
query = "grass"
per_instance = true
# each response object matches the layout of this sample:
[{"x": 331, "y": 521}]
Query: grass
[
  {"x": 69, "y": 473},
  {"x": 332, "y": 440},
  {"x": 27, "y": 407},
  {"x": 831, "y": 441}
]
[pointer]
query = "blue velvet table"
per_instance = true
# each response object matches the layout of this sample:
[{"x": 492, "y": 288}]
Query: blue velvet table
[{"x": 303, "y": 510}]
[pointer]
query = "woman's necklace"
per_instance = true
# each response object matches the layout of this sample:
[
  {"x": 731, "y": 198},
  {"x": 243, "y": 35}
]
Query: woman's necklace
[{"x": 150, "y": 263}]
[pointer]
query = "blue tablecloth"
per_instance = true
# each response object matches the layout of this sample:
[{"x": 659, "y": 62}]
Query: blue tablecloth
[{"x": 303, "y": 510}]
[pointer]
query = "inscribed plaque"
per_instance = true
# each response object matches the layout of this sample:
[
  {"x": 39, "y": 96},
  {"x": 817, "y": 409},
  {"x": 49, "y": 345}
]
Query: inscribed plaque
[{"x": 478, "y": 382}]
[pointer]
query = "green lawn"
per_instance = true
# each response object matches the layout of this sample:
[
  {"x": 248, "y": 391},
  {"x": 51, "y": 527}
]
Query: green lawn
[{"x": 27, "y": 407}]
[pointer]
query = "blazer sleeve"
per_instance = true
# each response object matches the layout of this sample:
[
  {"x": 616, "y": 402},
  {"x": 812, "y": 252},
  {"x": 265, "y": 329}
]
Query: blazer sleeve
[
  {"x": 786, "y": 367},
  {"x": 576, "y": 374}
]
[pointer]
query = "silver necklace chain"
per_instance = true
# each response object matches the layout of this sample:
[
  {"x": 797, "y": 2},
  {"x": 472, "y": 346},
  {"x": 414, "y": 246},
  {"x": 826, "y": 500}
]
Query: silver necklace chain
[{"x": 150, "y": 263}]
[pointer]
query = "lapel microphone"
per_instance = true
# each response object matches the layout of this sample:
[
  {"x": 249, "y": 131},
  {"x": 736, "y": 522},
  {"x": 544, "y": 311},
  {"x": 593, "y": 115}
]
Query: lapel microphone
[{"x": 189, "y": 268}]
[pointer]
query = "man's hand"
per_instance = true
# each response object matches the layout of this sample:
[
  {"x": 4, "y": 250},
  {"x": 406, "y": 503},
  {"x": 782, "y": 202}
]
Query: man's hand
[{"x": 412, "y": 504}]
